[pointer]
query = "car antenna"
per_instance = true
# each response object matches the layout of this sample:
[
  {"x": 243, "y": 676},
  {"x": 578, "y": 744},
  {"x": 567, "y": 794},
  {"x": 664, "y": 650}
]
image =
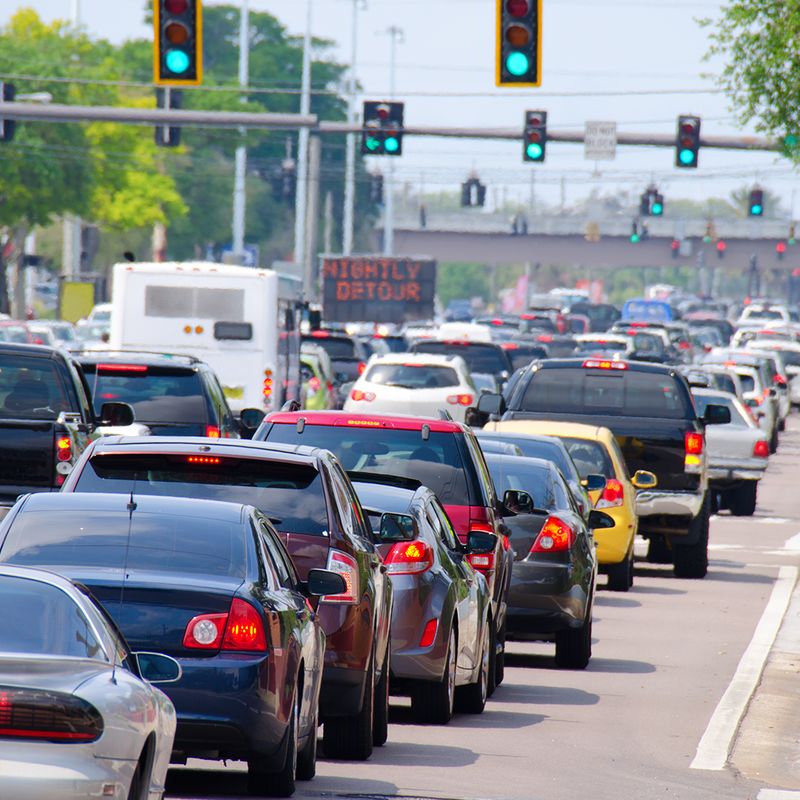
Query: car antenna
[{"x": 131, "y": 507}]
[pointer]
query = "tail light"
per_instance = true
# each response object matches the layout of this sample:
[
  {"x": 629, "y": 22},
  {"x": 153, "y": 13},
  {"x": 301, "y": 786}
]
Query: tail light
[
  {"x": 429, "y": 634},
  {"x": 267, "y": 388},
  {"x": 359, "y": 396},
  {"x": 361, "y": 367},
  {"x": 460, "y": 399},
  {"x": 684, "y": 345},
  {"x": 245, "y": 629},
  {"x": 780, "y": 380},
  {"x": 63, "y": 448},
  {"x": 409, "y": 558},
  {"x": 347, "y": 567},
  {"x": 694, "y": 444},
  {"x": 212, "y": 432},
  {"x": 613, "y": 495},
  {"x": 555, "y": 536},
  {"x": 205, "y": 632},
  {"x": 761, "y": 449},
  {"x": 481, "y": 561},
  {"x": 47, "y": 716}
]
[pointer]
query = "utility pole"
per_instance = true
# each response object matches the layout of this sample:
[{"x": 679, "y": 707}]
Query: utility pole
[
  {"x": 309, "y": 271},
  {"x": 239, "y": 183},
  {"x": 350, "y": 165},
  {"x": 396, "y": 35},
  {"x": 71, "y": 237},
  {"x": 301, "y": 195}
]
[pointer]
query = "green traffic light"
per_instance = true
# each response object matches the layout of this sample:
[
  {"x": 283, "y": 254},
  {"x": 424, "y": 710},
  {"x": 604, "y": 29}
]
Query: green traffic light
[
  {"x": 686, "y": 156},
  {"x": 657, "y": 209},
  {"x": 756, "y": 210},
  {"x": 177, "y": 61},
  {"x": 534, "y": 151},
  {"x": 635, "y": 238},
  {"x": 391, "y": 144},
  {"x": 518, "y": 64},
  {"x": 373, "y": 144}
]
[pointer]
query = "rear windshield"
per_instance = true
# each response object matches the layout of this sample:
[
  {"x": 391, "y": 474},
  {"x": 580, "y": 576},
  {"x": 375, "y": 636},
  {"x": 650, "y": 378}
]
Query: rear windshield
[
  {"x": 523, "y": 476},
  {"x": 436, "y": 462},
  {"x": 14, "y": 333},
  {"x": 41, "y": 619},
  {"x": 522, "y": 356},
  {"x": 702, "y": 401},
  {"x": 615, "y": 392},
  {"x": 157, "y": 543},
  {"x": 412, "y": 376},
  {"x": 156, "y": 394},
  {"x": 335, "y": 348},
  {"x": 291, "y": 495},
  {"x": 748, "y": 381},
  {"x": 591, "y": 458},
  {"x": 542, "y": 448},
  {"x": 30, "y": 388},
  {"x": 479, "y": 357},
  {"x": 599, "y": 347}
]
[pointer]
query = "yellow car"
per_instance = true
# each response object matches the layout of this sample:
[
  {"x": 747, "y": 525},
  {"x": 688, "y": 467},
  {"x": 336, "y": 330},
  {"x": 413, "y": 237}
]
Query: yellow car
[{"x": 595, "y": 450}]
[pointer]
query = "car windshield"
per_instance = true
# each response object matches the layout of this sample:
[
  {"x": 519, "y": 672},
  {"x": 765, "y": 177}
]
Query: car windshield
[
  {"x": 30, "y": 388},
  {"x": 336, "y": 347},
  {"x": 591, "y": 458},
  {"x": 291, "y": 495},
  {"x": 435, "y": 462},
  {"x": 479, "y": 357},
  {"x": 40, "y": 619},
  {"x": 160, "y": 542},
  {"x": 412, "y": 376}
]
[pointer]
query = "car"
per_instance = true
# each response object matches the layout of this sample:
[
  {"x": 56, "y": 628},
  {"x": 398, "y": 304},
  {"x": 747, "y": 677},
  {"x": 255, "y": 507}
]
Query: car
[
  {"x": 16, "y": 332},
  {"x": 170, "y": 394},
  {"x": 320, "y": 521},
  {"x": 780, "y": 382},
  {"x": 763, "y": 312},
  {"x": 440, "y": 618},
  {"x": 522, "y": 352},
  {"x": 790, "y": 354},
  {"x": 481, "y": 357},
  {"x": 441, "y": 454},
  {"x": 317, "y": 392},
  {"x": 604, "y": 345},
  {"x": 738, "y": 454},
  {"x": 80, "y": 714},
  {"x": 555, "y": 566},
  {"x": 413, "y": 384},
  {"x": 210, "y": 584},
  {"x": 63, "y": 332},
  {"x": 100, "y": 314},
  {"x": 347, "y": 354},
  {"x": 594, "y": 450}
]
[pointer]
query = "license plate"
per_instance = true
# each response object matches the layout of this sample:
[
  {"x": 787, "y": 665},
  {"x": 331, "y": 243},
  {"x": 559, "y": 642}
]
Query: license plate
[{"x": 233, "y": 392}]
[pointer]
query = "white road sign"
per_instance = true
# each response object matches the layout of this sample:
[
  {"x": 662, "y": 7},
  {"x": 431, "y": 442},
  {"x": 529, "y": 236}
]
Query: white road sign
[{"x": 600, "y": 142}]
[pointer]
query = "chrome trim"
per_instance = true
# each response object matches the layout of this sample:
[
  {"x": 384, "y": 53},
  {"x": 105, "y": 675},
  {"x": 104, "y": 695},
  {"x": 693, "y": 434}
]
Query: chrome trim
[
  {"x": 681, "y": 504},
  {"x": 735, "y": 473}
]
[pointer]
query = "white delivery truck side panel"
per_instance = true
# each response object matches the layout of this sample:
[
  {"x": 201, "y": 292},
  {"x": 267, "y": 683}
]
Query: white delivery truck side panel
[{"x": 225, "y": 315}]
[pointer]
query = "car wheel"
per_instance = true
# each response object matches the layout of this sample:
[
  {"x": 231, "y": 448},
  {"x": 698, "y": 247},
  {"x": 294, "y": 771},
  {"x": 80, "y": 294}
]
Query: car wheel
[
  {"x": 433, "y": 702},
  {"x": 620, "y": 576},
  {"x": 691, "y": 560},
  {"x": 492, "y": 659},
  {"x": 782, "y": 425},
  {"x": 307, "y": 757},
  {"x": 471, "y": 699},
  {"x": 277, "y": 783},
  {"x": 743, "y": 500},
  {"x": 350, "y": 738},
  {"x": 136, "y": 791},
  {"x": 380, "y": 722},
  {"x": 773, "y": 441},
  {"x": 658, "y": 550},
  {"x": 500, "y": 656},
  {"x": 574, "y": 645}
]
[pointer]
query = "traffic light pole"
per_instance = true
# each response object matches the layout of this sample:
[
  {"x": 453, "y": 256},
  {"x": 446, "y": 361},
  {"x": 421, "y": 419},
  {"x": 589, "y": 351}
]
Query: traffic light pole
[
  {"x": 350, "y": 165},
  {"x": 396, "y": 35},
  {"x": 239, "y": 183}
]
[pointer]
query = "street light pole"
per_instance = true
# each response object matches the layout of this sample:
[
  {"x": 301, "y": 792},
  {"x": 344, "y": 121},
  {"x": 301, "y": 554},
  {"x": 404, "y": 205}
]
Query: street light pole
[
  {"x": 350, "y": 166},
  {"x": 396, "y": 35},
  {"x": 71, "y": 241},
  {"x": 239, "y": 184},
  {"x": 301, "y": 194}
]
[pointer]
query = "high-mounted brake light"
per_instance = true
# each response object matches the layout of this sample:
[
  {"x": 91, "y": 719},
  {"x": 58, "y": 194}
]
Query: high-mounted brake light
[
  {"x": 135, "y": 368},
  {"x": 761, "y": 449},
  {"x": 203, "y": 460},
  {"x": 555, "y": 536},
  {"x": 594, "y": 363},
  {"x": 409, "y": 558},
  {"x": 613, "y": 495},
  {"x": 319, "y": 334},
  {"x": 47, "y": 716},
  {"x": 358, "y": 396},
  {"x": 347, "y": 567},
  {"x": 460, "y": 399},
  {"x": 509, "y": 346}
]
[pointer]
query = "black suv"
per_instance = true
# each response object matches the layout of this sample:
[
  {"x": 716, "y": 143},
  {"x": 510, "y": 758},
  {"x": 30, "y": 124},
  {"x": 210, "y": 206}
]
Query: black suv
[{"x": 170, "y": 394}]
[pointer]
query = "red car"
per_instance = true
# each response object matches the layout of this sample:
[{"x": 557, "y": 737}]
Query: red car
[{"x": 439, "y": 453}]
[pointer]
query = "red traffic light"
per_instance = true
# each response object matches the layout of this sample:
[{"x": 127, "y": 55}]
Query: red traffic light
[
  {"x": 675, "y": 244},
  {"x": 721, "y": 246},
  {"x": 176, "y": 6},
  {"x": 780, "y": 248},
  {"x": 517, "y": 8}
]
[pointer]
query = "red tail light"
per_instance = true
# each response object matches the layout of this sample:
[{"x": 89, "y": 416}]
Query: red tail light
[
  {"x": 460, "y": 399},
  {"x": 361, "y": 367},
  {"x": 212, "y": 432},
  {"x": 245, "y": 629},
  {"x": 63, "y": 448},
  {"x": 205, "y": 632},
  {"x": 613, "y": 495},
  {"x": 780, "y": 380},
  {"x": 481, "y": 561},
  {"x": 409, "y": 558},
  {"x": 47, "y": 716},
  {"x": 554, "y": 537},
  {"x": 358, "y": 396},
  {"x": 694, "y": 444},
  {"x": 761, "y": 449},
  {"x": 320, "y": 334},
  {"x": 429, "y": 634},
  {"x": 347, "y": 567},
  {"x": 684, "y": 345}
]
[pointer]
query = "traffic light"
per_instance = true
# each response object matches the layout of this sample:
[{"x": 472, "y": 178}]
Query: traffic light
[
  {"x": 780, "y": 250},
  {"x": 755, "y": 206},
  {"x": 651, "y": 203},
  {"x": 657, "y": 204},
  {"x": 711, "y": 233},
  {"x": 177, "y": 42},
  {"x": 535, "y": 141},
  {"x": 721, "y": 248},
  {"x": 284, "y": 181},
  {"x": 519, "y": 43},
  {"x": 383, "y": 129},
  {"x": 7, "y": 126},
  {"x": 168, "y": 135},
  {"x": 473, "y": 193},
  {"x": 675, "y": 247},
  {"x": 376, "y": 188},
  {"x": 635, "y": 235},
  {"x": 687, "y": 142}
]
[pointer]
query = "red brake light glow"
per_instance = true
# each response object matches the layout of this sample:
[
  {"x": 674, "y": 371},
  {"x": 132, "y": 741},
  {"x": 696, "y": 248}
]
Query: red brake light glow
[
  {"x": 761, "y": 449},
  {"x": 694, "y": 444},
  {"x": 361, "y": 367},
  {"x": 320, "y": 334},
  {"x": 409, "y": 558},
  {"x": 460, "y": 399},
  {"x": 593, "y": 363},
  {"x": 245, "y": 629},
  {"x": 212, "y": 432},
  {"x": 358, "y": 396},
  {"x": 429, "y": 634},
  {"x": 203, "y": 460},
  {"x": 137, "y": 368},
  {"x": 63, "y": 448},
  {"x": 613, "y": 495},
  {"x": 555, "y": 536}
]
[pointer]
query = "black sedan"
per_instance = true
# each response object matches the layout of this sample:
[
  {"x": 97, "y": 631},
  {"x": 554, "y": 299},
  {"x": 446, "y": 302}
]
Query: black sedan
[
  {"x": 210, "y": 584},
  {"x": 555, "y": 566}
]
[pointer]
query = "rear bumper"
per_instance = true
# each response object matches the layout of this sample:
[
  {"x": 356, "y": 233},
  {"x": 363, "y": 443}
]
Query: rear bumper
[
  {"x": 728, "y": 473},
  {"x": 669, "y": 503}
]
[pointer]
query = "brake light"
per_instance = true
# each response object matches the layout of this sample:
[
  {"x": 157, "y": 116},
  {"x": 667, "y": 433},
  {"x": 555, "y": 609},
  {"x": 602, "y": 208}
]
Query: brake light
[
  {"x": 409, "y": 558},
  {"x": 361, "y": 367},
  {"x": 429, "y": 634},
  {"x": 212, "y": 432},
  {"x": 484, "y": 562},
  {"x": 245, "y": 628},
  {"x": 554, "y": 537},
  {"x": 203, "y": 460},
  {"x": 347, "y": 567},
  {"x": 358, "y": 396},
  {"x": 314, "y": 384},
  {"x": 780, "y": 380},
  {"x": 267, "y": 388},
  {"x": 47, "y": 716},
  {"x": 460, "y": 399},
  {"x": 319, "y": 334},
  {"x": 205, "y": 632},
  {"x": 509, "y": 346},
  {"x": 761, "y": 449},
  {"x": 63, "y": 448},
  {"x": 613, "y": 495},
  {"x": 137, "y": 368},
  {"x": 684, "y": 345},
  {"x": 545, "y": 337},
  {"x": 694, "y": 444},
  {"x": 594, "y": 363}
]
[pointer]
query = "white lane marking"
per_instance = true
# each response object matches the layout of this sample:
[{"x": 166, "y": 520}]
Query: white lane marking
[
  {"x": 753, "y": 520},
  {"x": 778, "y": 794},
  {"x": 793, "y": 544},
  {"x": 712, "y": 752},
  {"x": 726, "y": 547}
]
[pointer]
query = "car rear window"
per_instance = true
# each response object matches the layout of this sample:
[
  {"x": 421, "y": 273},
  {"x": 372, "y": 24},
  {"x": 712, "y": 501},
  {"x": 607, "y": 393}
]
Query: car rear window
[
  {"x": 157, "y": 394},
  {"x": 591, "y": 458},
  {"x": 748, "y": 381},
  {"x": 521, "y": 475},
  {"x": 291, "y": 495},
  {"x": 14, "y": 333},
  {"x": 335, "y": 347},
  {"x": 41, "y": 619},
  {"x": 436, "y": 463},
  {"x": 542, "y": 448},
  {"x": 30, "y": 388},
  {"x": 100, "y": 538},
  {"x": 737, "y": 419},
  {"x": 614, "y": 392},
  {"x": 412, "y": 376},
  {"x": 479, "y": 357}
]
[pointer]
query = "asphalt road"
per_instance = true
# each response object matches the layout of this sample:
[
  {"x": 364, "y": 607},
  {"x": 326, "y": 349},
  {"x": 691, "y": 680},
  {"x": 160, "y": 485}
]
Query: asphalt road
[{"x": 692, "y": 692}]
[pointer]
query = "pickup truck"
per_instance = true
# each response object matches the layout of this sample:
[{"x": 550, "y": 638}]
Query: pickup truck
[
  {"x": 46, "y": 419},
  {"x": 650, "y": 410}
]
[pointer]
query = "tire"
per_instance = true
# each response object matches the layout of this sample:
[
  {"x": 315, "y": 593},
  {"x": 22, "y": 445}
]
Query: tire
[
  {"x": 659, "y": 550},
  {"x": 277, "y": 783},
  {"x": 492, "y": 684},
  {"x": 380, "y": 719},
  {"x": 471, "y": 699},
  {"x": 743, "y": 501},
  {"x": 350, "y": 738},
  {"x": 782, "y": 425},
  {"x": 307, "y": 757},
  {"x": 136, "y": 790},
  {"x": 773, "y": 441},
  {"x": 434, "y": 702},
  {"x": 620, "y": 576},
  {"x": 500, "y": 657},
  {"x": 574, "y": 645},
  {"x": 691, "y": 560}
]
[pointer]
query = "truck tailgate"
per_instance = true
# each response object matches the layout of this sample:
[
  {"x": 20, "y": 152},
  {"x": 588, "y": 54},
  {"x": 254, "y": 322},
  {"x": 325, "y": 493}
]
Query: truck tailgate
[{"x": 27, "y": 454}]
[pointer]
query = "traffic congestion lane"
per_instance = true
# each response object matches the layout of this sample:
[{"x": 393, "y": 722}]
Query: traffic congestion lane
[{"x": 664, "y": 655}]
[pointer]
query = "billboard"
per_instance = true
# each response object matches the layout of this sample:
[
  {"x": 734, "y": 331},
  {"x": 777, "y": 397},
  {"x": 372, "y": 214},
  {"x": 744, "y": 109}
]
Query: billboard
[{"x": 377, "y": 288}]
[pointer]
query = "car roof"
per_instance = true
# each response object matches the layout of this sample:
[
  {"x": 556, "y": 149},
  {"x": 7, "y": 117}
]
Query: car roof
[
  {"x": 575, "y": 430},
  {"x": 431, "y": 359},
  {"x": 527, "y": 462},
  {"x": 138, "y": 357},
  {"x": 39, "y": 350},
  {"x": 510, "y": 431},
  {"x": 633, "y": 366},
  {"x": 344, "y": 419},
  {"x": 391, "y": 499}
]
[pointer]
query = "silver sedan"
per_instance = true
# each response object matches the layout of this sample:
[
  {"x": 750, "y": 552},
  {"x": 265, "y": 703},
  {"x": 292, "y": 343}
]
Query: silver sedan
[{"x": 78, "y": 718}]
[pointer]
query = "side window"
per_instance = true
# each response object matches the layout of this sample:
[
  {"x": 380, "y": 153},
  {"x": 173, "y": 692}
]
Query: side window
[
  {"x": 447, "y": 533},
  {"x": 82, "y": 391},
  {"x": 287, "y": 577},
  {"x": 480, "y": 463},
  {"x": 353, "y": 508},
  {"x": 342, "y": 504},
  {"x": 563, "y": 497},
  {"x": 218, "y": 402}
]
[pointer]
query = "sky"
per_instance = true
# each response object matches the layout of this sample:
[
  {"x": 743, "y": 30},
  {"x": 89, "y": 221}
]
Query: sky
[{"x": 637, "y": 62}]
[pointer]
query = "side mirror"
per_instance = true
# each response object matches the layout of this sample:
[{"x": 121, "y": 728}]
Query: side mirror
[
  {"x": 517, "y": 502},
  {"x": 290, "y": 406},
  {"x": 599, "y": 520},
  {"x": 398, "y": 528},
  {"x": 481, "y": 542},
  {"x": 158, "y": 668},
  {"x": 249, "y": 420},
  {"x": 323, "y": 582},
  {"x": 594, "y": 483},
  {"x": 717, "y": 415},
  {"x": 116, "y": 415},
  {"x": 492, "y": 404},
  {"x": 772, "y": 391},
  {"x": 644, "y": 480}
]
